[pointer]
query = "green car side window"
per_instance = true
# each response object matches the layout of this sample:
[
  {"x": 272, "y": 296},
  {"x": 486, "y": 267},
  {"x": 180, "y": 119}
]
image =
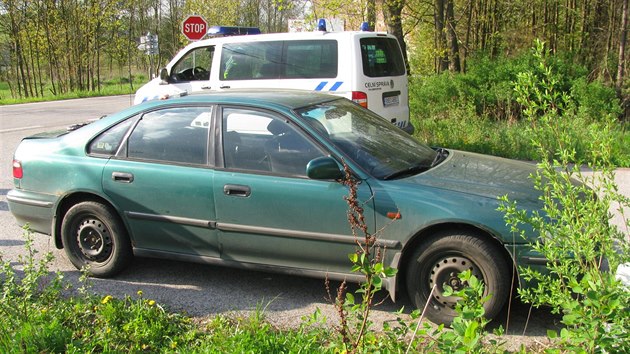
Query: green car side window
[
  {"x": 258, "y": 141},
  {"x": 177, "y": 135},
  {"x": 108, "y": 142}
]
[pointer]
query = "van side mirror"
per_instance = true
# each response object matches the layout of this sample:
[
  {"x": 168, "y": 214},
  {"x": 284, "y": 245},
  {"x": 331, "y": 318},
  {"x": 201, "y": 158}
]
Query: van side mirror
[
  {"x": 324, "y": 168},
  {"x": 164, "y": 77}
]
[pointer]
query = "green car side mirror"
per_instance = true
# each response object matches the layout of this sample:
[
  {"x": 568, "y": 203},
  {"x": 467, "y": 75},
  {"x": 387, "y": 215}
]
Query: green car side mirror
[{"x": 324, "y": 168}]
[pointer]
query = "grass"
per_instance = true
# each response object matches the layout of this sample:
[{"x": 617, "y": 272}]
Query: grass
[
  {"x": 463, "y": 130},
  {"x": 40, "y": 312},
  {"x": 112, "y": 87}
]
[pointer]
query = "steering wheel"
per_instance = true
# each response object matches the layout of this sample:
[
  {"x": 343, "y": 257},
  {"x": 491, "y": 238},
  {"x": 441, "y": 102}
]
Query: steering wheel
[
  {"x": 196, "y": 73},
  {"x": 200, "y": 73}
]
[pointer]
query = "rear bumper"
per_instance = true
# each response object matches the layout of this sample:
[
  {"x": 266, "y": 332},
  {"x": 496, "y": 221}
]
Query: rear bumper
[
  {"x": 409, "y": 129},
  {"x": 33, "y": 209}
]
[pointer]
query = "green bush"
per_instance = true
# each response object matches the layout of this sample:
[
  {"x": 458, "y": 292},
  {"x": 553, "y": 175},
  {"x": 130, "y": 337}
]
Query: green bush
[
  {"x": 478, "y": 110},
  {"x": 575, "y": 233}
]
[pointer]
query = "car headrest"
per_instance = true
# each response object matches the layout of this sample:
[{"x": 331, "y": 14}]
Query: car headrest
[{"x": 278, "y": 127}]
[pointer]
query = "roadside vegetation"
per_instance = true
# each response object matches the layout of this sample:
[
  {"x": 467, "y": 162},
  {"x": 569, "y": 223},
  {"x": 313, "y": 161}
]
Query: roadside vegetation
[
  {"x": 480, "y": 110},
  {"x": 116, "y": 86},
  {"x": 544, "y": 113}
]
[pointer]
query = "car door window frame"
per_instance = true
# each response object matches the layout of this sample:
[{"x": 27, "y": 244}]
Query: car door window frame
[
  {"x": 220, "y": 150},
  {"x": 123, "y": 151},
  {"x": 91, "y": 150},
  {"x": 180, "y": 77}
]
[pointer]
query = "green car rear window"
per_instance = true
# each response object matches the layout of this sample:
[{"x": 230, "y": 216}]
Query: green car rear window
[{"x": 108, "y": 142}]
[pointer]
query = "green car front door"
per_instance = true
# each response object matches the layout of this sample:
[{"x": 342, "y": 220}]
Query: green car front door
[{"x": 268, "y": 211}]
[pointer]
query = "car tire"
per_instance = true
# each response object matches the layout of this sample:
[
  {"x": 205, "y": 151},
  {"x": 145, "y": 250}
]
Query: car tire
[
  {"x": 440, "y": 258},
  {"x": 93, "y": 236}
]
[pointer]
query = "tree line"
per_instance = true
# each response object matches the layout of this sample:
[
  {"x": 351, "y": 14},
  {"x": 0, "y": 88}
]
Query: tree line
[{"x": 59, "y": 46}]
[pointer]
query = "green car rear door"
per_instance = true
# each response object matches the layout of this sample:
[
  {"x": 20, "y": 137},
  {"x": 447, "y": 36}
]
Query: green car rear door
[{"x": 163, "y": 185}]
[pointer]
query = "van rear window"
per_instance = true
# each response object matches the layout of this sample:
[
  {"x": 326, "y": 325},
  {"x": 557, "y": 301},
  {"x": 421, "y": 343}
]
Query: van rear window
[
  {"x": 381, "y": 57},
  {"x": 279, "y": 60}
]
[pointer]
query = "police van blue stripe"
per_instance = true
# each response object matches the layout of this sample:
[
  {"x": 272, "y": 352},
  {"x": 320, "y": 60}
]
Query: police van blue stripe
[
  {"x": 333, "y": 88},
  {"x": 321, "y": 85}
]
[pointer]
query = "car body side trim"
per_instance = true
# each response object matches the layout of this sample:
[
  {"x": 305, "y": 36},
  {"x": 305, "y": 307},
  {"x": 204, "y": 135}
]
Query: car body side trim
[
  {"x": 143, "y": 252},
  {"x": 300, "y": 234},
  {"x": 30, "y": 202},
  {"x": 536, "y": 260},
  {"x": 172, "y": 219}
]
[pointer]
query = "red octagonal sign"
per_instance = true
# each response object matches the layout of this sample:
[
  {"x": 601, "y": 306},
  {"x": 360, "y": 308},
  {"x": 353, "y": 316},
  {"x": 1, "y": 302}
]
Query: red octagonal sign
[{"x": 194, "y": 27}]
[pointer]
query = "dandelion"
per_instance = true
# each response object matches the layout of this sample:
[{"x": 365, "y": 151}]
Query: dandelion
[
  {"x": 145, "y": 346},
  {"x": 173, "y": 345},
  {"x": 106, "y": 299},
  {"x": 140, "y": 293},
  {"x": 151, "y": 302}
]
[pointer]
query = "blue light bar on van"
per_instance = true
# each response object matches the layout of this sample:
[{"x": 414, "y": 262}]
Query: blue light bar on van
[
  {"x": 219, "y": 31},
  {"x": 321, "y": 25},
  {"x": 365, "y": 27}
]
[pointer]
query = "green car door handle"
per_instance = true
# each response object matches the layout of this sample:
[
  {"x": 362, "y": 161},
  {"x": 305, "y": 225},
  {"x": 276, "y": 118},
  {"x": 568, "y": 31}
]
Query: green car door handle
[
  {"x": 122, "y": 177},
  {"x": 237, "y": 190}
]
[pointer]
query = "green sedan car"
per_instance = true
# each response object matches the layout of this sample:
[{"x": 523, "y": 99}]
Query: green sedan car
[{"x": 251, "y": 179}]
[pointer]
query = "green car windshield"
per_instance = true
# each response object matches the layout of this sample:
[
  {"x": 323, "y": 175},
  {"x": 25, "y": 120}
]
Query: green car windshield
[{"x": 383, "y": 150}]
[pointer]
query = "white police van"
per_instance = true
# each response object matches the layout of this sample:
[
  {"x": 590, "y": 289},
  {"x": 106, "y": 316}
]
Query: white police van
[{"x": 367, "y": 67}]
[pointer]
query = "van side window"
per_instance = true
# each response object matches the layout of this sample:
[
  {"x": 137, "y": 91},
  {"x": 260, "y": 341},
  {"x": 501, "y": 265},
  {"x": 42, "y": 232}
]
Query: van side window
[
  {"x": 381, "y": 57},
  {"x": 193, "y": 66},
  {"x": 279, "y": 60}
]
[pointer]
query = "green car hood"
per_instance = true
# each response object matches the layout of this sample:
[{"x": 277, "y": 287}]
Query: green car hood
[{"x": 482, "y": 175}]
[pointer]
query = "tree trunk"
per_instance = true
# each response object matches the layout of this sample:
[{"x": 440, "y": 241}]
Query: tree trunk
[
  {"x": 371, "y": 14},
  {"x": 440, "y": 36},
  {"x": 621, "y": 72},
  {"x": 454, "y": 62},
  {"x": 393, "y": 20}
]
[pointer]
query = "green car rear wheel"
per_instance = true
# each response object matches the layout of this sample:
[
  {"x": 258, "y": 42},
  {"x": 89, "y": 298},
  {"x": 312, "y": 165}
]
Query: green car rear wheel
[{"x": 93, "y": 236}]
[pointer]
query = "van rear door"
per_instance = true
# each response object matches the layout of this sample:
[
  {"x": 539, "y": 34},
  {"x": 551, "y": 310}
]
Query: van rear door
[{"x": 382, "y": 77}]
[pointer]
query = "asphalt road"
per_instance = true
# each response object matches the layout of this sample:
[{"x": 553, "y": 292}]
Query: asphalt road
[{"x": 198, "y": 290}]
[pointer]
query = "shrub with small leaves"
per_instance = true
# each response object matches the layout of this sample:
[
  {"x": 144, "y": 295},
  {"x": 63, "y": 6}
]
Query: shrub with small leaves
[{"x": 575, "y": 233}]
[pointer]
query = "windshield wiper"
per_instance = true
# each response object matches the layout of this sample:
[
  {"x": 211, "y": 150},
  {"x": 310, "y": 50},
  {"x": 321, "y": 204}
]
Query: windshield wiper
[
  {"x": 411, "y": 170},
  {"x": 441, "y": 155}
]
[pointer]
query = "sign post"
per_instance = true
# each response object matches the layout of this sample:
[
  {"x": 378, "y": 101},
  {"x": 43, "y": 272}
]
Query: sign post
[
  {"x": 149, "y": 44},
  {"x": 194, "y": 27}
]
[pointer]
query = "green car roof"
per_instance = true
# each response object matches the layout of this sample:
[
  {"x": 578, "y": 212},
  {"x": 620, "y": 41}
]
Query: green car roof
[{"x": 288, "y": 99}]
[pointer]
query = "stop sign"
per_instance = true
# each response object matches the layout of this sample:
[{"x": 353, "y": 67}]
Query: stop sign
[{"x": 194, "y": 27}]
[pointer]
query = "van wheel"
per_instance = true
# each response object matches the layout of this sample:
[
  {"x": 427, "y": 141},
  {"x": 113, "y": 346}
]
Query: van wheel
[
  {"x": 440, "y": 259},
  {"x": 93, "y": 236}
]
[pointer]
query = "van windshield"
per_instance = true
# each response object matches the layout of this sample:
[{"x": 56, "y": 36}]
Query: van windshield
[
  {"x": 370, "y": 141},
  {"x": 381, "y": 57}
]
